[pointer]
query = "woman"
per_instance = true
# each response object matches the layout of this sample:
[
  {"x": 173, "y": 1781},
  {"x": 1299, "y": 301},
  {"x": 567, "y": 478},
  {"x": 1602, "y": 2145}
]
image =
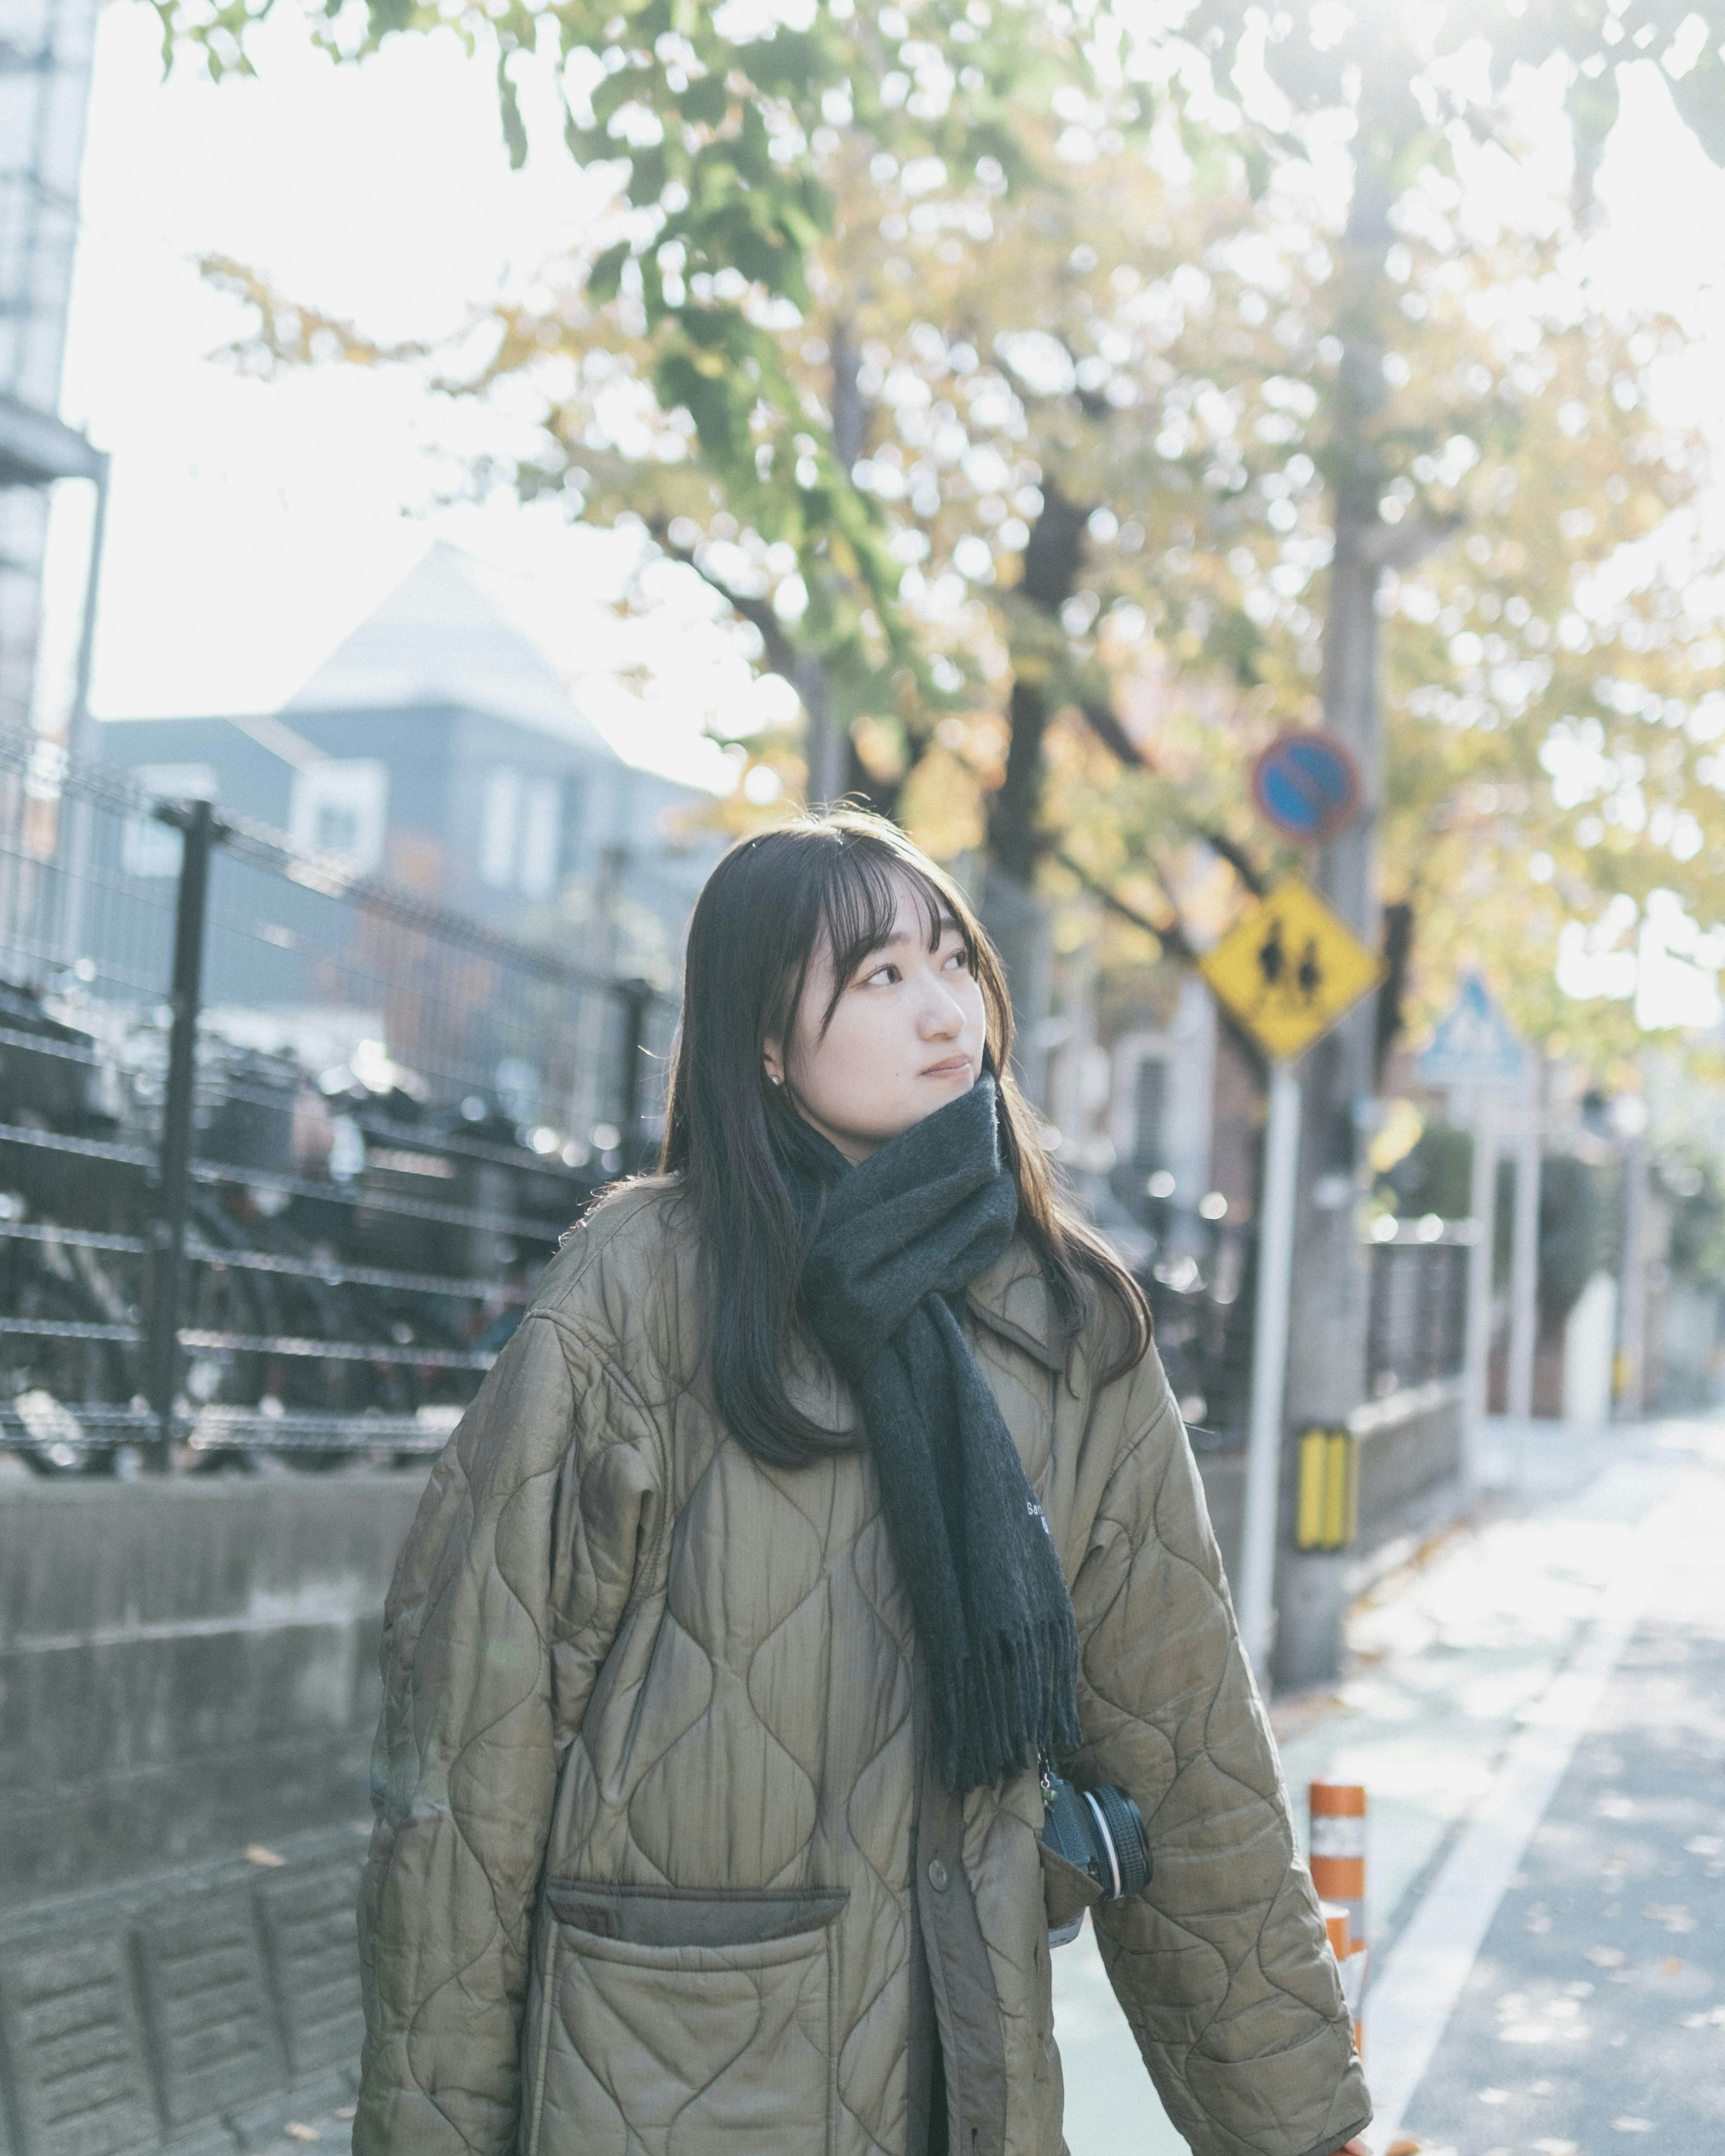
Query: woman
[{"x": 830, "y": 1487}]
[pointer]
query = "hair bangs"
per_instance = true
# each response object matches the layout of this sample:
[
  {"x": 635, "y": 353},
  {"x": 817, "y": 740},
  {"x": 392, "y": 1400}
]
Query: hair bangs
[{"x": 860, "y": 899}]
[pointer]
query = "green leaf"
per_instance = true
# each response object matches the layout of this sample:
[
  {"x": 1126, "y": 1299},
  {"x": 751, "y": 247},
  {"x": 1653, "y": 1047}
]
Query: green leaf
[
  {"x": 705, "y": 101},
  {"x": 752, "y": 155},
  {"x": 605, "y": 278},
  {"x": 647, "y": 177},
  {"x": 514, "y": 132}
]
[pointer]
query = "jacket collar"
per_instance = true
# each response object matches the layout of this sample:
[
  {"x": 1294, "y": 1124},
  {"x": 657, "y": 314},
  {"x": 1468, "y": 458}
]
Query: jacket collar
[{"x": 1012, "y": 1299}]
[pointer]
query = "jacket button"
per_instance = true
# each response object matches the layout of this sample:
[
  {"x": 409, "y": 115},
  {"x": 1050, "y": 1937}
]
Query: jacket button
[{"x": 938, "y": 1877}]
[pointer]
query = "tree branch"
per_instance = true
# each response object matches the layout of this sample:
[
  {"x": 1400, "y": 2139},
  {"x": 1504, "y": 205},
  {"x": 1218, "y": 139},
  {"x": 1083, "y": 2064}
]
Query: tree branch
[
  {"x": 1171, "y": 934},
  {"x": 782, "y": 655},
  {"x": 1106, "y": 724}
]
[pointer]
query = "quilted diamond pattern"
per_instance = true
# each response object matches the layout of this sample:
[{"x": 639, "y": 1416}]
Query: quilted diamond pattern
[{"x": 619, "y": 1653}]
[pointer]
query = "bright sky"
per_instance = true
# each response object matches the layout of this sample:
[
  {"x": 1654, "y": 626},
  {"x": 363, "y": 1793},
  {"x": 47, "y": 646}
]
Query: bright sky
[{"x": 254, "y": 524}]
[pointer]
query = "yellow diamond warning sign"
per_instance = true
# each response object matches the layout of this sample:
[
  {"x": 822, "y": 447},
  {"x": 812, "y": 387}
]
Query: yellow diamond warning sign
[{"x": 1290, "y": 970}]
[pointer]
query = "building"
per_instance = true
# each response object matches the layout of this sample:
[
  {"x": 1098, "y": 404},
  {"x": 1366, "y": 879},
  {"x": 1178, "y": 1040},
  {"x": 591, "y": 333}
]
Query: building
[
  {"x": 45, "y": 52},
  {"x": 438, "y": 747}
]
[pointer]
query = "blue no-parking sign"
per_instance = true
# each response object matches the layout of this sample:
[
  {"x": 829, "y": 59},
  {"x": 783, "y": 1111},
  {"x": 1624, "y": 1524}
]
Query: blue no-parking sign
[{"x": 1307, "y": 787}]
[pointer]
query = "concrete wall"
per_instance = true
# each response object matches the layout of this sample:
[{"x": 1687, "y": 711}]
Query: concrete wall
[
  {"x": 186, "y": 1667},
  {"x": 187, "y": 1693}
]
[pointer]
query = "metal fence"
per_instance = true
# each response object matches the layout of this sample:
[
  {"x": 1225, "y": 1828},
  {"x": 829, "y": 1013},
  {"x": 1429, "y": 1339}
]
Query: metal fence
[
  {"x": 282, "y": 1149},
  {"x": 1203, "y": 1302},
  {"x": 1416, "y": 1329}
]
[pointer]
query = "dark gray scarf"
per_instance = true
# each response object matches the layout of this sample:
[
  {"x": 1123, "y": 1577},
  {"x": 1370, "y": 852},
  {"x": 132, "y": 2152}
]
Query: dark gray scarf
[{"x": 893, "y": 1245}]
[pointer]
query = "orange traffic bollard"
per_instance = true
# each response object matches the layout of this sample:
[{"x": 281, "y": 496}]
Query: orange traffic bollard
[
  {"x": 1351, "y": 1960},
  {"x": 1338, "y": 1849},
  {"x": 1338, "y": 1872}
]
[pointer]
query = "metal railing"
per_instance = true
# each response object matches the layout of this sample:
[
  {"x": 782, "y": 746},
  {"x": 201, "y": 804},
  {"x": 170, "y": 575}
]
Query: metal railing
[
  {"x": 1416, "y": 1326},
  {"x": 1202, "y": 1298},
  {"x": 282, "y": 1149}
]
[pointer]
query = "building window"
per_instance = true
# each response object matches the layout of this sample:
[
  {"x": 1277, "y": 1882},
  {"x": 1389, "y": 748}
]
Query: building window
[
  {"x": 150, "y": 849},
  {"x": 542, "y": 834},
  {"x": 521, "y": 832},
  {"x": 1149, "y": 1116},
  {"x": 500, "y": 812},
  {"x": 341, "y": 807}
]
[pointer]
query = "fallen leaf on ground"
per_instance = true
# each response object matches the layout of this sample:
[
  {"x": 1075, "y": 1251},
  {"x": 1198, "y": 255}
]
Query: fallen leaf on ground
[
  {"x": 347, "y": 2111},
  {"x": 1670, "y": 1965},
  {"x": 296, "y": 2131},
  {"x": 256, "y": 1853},
  {"x": 1403, "y": 2148}
]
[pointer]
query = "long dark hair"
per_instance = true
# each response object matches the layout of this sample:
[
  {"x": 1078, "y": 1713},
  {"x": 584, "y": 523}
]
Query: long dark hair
[{"x": 763, "y": 915}]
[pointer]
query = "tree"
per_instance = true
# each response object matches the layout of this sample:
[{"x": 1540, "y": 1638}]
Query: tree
[
  {"x": 1062, "y": 456},
  {"x": 1417, "y": 92}
]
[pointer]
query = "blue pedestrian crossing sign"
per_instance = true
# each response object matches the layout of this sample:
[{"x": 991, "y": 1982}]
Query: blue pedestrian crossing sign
[{"x": 1475, "y": 1043}]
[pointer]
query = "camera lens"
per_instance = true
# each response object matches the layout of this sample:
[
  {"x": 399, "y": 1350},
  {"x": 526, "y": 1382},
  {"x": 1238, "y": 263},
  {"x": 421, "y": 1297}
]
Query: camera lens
[
  {"x": 1124, "y": 1824},
  {"x": 1102, "y": 1832}
]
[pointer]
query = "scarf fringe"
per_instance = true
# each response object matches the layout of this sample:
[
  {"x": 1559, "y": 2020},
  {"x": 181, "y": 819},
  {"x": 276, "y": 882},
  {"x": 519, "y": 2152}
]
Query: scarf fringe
[{"x": 1006, "y": 1702}]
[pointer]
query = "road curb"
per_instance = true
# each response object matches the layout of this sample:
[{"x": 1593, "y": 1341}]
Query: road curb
[{"x": 194, "y": 2014}]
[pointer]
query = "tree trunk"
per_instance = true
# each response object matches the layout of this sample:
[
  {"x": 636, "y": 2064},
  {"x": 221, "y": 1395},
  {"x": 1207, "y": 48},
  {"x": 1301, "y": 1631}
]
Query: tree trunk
[
  {"x": 1053, "y": 557},
  {"x": 834, "y": 767},
  {"x": 1016, "y": 918},
  {"x": 823, "y": 750}
]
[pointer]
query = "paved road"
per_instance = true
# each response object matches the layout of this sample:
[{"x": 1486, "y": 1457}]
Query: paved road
[
  {"x": 1593, "y": 2017},
  {"x": 1555, "y": 2046}
]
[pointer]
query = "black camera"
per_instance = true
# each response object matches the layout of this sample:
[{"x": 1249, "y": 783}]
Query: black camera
[{"x": 1102, "y": 1832}]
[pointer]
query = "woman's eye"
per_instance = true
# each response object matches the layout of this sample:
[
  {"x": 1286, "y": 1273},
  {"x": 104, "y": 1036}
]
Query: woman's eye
[
  {"x": 881, "y": 974},
  {"x": 960, "y": 958}
]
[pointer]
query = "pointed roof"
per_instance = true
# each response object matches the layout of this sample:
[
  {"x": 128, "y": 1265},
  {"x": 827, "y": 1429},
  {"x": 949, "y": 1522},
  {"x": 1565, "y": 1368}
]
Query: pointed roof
[{"x": 442, "y": 637}]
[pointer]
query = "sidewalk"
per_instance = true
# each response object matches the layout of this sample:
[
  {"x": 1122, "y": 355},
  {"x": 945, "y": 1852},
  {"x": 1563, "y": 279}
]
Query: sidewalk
[{"x": 1475, "y": 1650}]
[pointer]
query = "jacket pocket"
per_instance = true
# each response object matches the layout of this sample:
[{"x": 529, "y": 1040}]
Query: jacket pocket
[{"x": 683, "y": 2022}]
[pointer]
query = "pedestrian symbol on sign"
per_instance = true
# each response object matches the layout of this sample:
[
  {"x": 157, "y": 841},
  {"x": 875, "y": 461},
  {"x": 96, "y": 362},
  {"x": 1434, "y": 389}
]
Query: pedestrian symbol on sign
[{"x": 1291, "y": 969}]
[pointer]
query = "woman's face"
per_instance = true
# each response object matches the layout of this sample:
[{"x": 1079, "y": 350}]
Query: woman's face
[{"x": 906, "y": 1035}]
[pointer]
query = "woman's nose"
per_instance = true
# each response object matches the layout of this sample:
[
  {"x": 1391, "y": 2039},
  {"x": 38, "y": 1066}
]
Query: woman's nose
[{"x": 941, "y": 1013}]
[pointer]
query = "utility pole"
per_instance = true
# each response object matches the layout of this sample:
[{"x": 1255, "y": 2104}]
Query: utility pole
[
  {"x": 1277, "y": 1210},
  {"x": 1482, "y": 1207},
  {"x": 1632, "y": 1293},
  {"x": 1328, "y": 1334},
  {"x": 1327, "y": 1340},
  {"x": 1524, "y": 1259}
]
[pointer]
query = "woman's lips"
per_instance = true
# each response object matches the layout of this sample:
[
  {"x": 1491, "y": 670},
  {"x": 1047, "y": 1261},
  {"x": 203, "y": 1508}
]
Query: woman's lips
[{"x": 949, "y": 1068}]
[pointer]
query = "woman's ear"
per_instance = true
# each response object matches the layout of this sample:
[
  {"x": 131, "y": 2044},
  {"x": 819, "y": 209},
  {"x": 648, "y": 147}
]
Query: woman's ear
[{"x": 773, "y": 1061}]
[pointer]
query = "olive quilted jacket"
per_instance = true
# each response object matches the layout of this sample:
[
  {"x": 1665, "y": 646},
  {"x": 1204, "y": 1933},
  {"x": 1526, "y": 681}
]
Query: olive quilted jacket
[{"x": 657, "y": 1869}]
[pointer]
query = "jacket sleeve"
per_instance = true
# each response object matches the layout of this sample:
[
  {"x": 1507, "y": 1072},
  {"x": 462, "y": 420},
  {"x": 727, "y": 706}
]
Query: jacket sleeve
[
  {"x": 504, "y": 1604},
  {"x": 1221, "y": 1964}
]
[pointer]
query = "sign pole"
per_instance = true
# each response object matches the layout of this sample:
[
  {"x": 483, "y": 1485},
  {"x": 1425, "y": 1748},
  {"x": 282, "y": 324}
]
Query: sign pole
[
  {"x": 1524, "y": 1269},
  {"x": 1269, "y": 1365},
  {"x": 1482, "y": 1203}
]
